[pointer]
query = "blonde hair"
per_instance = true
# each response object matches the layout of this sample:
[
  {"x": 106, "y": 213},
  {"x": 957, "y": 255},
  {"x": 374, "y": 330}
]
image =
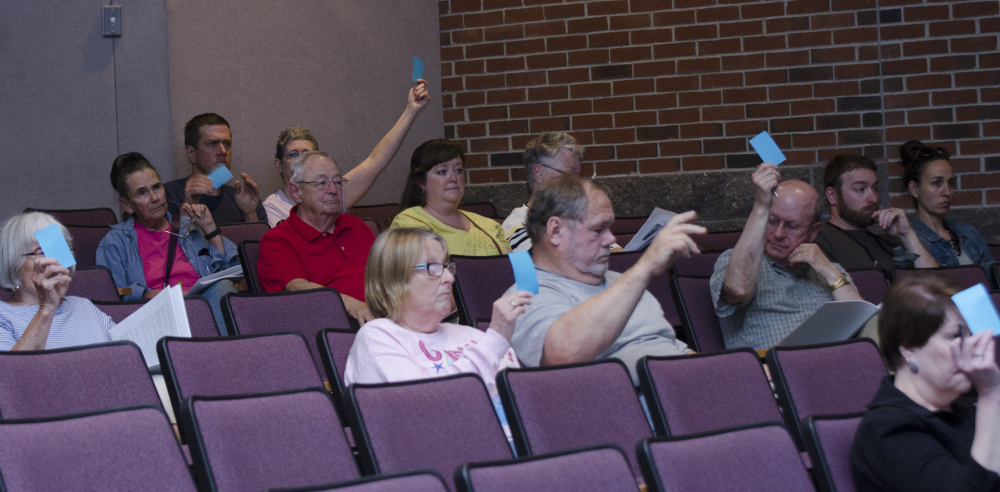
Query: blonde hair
[{"x": 390, "y": 262}]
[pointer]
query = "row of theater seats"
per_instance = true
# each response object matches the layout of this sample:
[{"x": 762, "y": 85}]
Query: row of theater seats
[{"x": 253, "y": 414}]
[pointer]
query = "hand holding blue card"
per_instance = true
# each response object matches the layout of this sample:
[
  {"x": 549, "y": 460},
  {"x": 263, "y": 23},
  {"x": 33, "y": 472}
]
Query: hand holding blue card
[
  {"x": 767, "y": 149},
  {"x": 524, "y": 271},
  {"x": 53, "y": 245},
  {"x": 977, "y": 308},
  {"x": 418, "y": 69},
  {"x": 220, "y": 176}
]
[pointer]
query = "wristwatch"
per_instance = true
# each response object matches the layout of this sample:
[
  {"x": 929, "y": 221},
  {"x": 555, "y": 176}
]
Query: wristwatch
[{"x": 844, "y": 280}]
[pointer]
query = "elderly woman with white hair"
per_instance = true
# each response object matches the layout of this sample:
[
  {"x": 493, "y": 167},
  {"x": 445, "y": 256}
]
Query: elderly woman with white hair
[{"x": 38, "y": 314}]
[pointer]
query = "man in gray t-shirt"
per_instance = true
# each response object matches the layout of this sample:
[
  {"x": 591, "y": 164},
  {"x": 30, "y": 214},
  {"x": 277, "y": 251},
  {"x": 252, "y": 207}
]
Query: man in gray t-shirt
[{"x": 583, "y": 312}]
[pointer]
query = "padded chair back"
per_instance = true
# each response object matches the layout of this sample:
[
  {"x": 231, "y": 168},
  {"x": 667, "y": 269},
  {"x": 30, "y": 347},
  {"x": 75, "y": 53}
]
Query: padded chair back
[
  {"x": 564, "y": 407},
  {"x": 199, "y": 314},
  {"x": 659, "y": 286},
  {"x": 235, "y": 365},
  {"x": 94, "y": 283},
  {"x": 120, "y": 450},
  {"x": 335, "y": 346},
  {"x": 718, "y": 241},
  {"x": 48, "y": 383},
  {"x": 694, "y": 300},
  {"x": 691, "y": 394},
  {"x": 102, "y": 216},
  {"x": 249, "y": 254},
  {"x": 828, "y": 441},
  {"x": 411, "y": 481},
  {"x": 871, "y": 284},
  {"x": 627, "y": 225},
  {"x": 85, "y": 242},
  {"x": 479, "y": 282},
  {"x": 238, "y": 232},
  {"x": 760, "y": 458},
  {"x": 967, "y": 275},
  {"x": 594, "y": 469},
  {"x": 383, "y": 214},
  {"x": 254, "y": 442},
  {"x": 828, "y": 379},
  {"x": 432, "y": 423},
  {"x": 700, "y": 265},
  {"x": 486, "y": 209},
  {"x": 305, "y": 311},
  {"x": 373, "y": 225}
]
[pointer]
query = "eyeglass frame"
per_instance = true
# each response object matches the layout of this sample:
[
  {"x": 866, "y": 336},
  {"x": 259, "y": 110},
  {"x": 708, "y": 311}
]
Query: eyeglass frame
[
  {"x": 340, "y": 185},
  {"x": 557, "y": 170},
  {"x": 773, "y": 223},
  {"x": 450, "y": 266}
]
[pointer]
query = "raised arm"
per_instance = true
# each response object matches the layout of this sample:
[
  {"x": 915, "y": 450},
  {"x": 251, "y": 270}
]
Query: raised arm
[
  {"x": 585, "y": 331},
  {"x": 50, "y": 281},
  {"x": 744, "y": 265},
  {"x": 362, "y": 177}
]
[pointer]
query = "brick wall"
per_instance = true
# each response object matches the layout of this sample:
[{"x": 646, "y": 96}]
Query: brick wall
[{"x": 679, "y": 86}]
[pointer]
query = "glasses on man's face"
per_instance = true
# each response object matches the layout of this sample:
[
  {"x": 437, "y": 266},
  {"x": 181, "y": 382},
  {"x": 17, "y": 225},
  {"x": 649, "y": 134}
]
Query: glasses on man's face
[
  {"x": 795, "y": 230},
  {"x": 323, "y": 184},
  {"x": 436, "y": 269},
  {"x": 557, "y": 170}
]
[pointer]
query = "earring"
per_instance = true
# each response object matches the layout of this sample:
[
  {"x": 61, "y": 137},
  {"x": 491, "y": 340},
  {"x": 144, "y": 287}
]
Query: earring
[{"x": 912, "y": 364}]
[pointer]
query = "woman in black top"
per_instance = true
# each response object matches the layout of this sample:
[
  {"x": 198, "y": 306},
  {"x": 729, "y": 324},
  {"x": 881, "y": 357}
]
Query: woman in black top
[{"x": 918, "y": 434}]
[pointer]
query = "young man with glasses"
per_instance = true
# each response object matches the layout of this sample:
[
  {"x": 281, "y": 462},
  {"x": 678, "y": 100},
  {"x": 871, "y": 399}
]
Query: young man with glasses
[
  {"x": 294, "y": 141},
  {"x": 775, "y": 277},
  {"x": 318, "y": 245}
]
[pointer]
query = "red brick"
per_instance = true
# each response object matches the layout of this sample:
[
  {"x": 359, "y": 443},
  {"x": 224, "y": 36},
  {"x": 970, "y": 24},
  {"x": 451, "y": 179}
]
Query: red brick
[
  {"x": 630, "y": 54},
  {"x": 523, "y": 79},
  {"x": 572, "y": 106},
  {"x": 799, "y": 91},
  {"x": 833, "y": 21},
  {"x": 548, "y": 93},
  {"x": 811, "y": 38},
  {"x": 484, "y": 50},
  {"x": 855, "y": 35},
  {"x": 539, "y": 125},
  {"x": 814, "y": 106},
  {"x": 490, "y": 113},
  {"x": 678, "y": 83},
  {"x": 925, "y": 82},
  {"x": 786, "y": 23},
  {"x": 567, "y": 43},
  {"x": 525, "y": 46},
  {"x": 595, "y": 152},
  {"x": 449, "y": 22},
  {"x": 907, "y": 100},
  {"x": 902, "y": 31},
  {"x": 483, "y": 19},
  {"x": 508, "y": 127},
  {"x": 833, "y": 89},
  {"x": 794, "y": 124},
  {"x": 469, "y": 67},
  {"x": 766, "y": 77},
  {"x": 744, "y": 95},
  {"x": 974, "y": 9},
  {"x": 451, "y": 84},
  {"x": 989, "y": 60},
  {"x": 688, "y": 33},
  {"x": 750, "y": 127},
  {"x": 589, "y": 57},
  {"x": 674, "y": 50},
  {"x": 652, "y": 69},
  {"x": 656, "y": 101},
  {"x": 607, "y": 7},
  {"x": 590, "y": 24},
  {"x": 494, "y": 65},
  {"x": 686, "y": 4},
  {"x": 702, "y": 162},
  {"x": 953, "y": 62},
  {"x": 926, "y": 13},
  {"x": 481, "y": 160},
  {"x": 607, "y": 39},
  {"x": 467, "y": 36},
  {"x": 651, "y": 36},
  {"x": 717, "y": 14},
  {"x": 565, "y": 11},
  {"x": 632, "y": 151},
  {"x": 701, "y": 130},
  {"x": 992, "y": 197},
  {"x": 673, "y": 17},
  {"x": 471, "y": 130},
  {"x": 949, "y": 98},
  {"x": 547, "y": 60},
  {"x": 767, "y": 110},
  {"x": 613, "y": 104},
  {"x": 452, "y": 53},
  {"x": 596, "y": 89},
  {"x": 990, "y": 95},
  {"x": 635, "y": 86},
  {"x": 698, "y": 65},
  {"x": 930, "y": 115},
  {"x": 989, "y": 25},
  {"x": 762, "y": 9},
  {"x": 724, "y": 79},
  {"x": 465, "y": 99},
  {"x": 683, "y": 115},
  {"x": 856, "y": 71},
  {"x": 482, "y": 176},
  {"x": 977, "y": 44},
  {"x": 615, "y": 167},
  {"x": 806, "y": 6},
  {"x": 763, "y": 43},
  {"x": 530, "y": 110},
  {"x": 833, "y": 55},
  {"x": 544, "y": 29},
  {"x": 476, "y": 82},
  {"x": 505, "y": 96},
  {"x": 951, "y": 28},
  {"x": 741, "y": 28},
  {"x": 703, "y": 98},
  {"x": 718, "y": 46},
  {"x": 925, "y": 47},
  {"x": 454, "y": 115},
  {"x": 680, "y": 147},
  {"x": 631, "y": 21},
  {"x": 457, "y": 6},
  {"x": 503, "y": 32},
  {"x": 823, "y": 139},
  {"x": 731, "y": 145},
  {"x": 520, "y": 16},
  {"x": 961, "y": 198},
  {"x": 662, "y": 165},
  {"x": 634, "y": 119},
  {"x": 568, "y": 75},
  {"x": 907, "y": 66},
  {"x": 741, "y": 62},
  {"x": 723, "y": 113},
  {"x": 787, "y": 58},
  {"x": 591, "y": 121}
]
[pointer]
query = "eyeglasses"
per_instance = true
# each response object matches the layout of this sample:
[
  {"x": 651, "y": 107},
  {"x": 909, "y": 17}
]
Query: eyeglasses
[
  {"x": 35, "y": 253},
  {"x": 933, "y": 152},
  {"x": 557, "y": 170},
  {"x": 325, "y": 183},
  {"x": 774, "y": 222},
  {"x": 436, "y": 269},
  {"x": 292, "y": 154}
]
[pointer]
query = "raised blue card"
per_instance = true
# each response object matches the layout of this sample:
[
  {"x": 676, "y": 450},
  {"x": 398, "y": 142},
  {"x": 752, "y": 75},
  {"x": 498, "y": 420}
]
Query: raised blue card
[
  {"x": 978, "y": 309},
  {"x": 767, "y": 149},
  {"x": 220, "y": 176},
  {"x": 53, "y": 245},
  {"x": 524, "y": 271},
  {"x": 418, "y": 69}
]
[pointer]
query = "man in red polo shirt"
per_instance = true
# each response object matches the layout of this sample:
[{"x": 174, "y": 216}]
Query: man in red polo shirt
[{"x": 318, "y": 246}]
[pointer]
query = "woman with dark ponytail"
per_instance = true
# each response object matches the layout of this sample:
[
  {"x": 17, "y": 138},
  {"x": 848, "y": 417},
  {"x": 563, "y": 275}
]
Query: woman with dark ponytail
[{"x": 931, "y": 181}]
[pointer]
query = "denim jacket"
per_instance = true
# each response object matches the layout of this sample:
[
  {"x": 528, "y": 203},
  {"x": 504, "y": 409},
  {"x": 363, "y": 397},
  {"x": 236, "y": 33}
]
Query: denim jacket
[
  {"x": 119, "y": 251},
  {"x": 940, "y": 248}
]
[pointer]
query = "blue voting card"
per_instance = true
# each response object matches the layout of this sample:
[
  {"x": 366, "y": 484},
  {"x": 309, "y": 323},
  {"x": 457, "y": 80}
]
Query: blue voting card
[
  {"x": 53, "y": 245},
  {"x": 977, "y": 308},
  {"x": 220, "y": 176},
  {"x": 767, "y": 149},
  {"x": 418, "y": 69},
  {"x": 524, "y": 271}
]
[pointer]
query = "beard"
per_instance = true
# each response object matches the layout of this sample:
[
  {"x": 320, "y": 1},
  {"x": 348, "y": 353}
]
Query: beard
[{"x": 860, "y": 218}]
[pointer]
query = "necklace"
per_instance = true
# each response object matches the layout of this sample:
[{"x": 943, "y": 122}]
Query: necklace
[{"x": 955, "y": 243}]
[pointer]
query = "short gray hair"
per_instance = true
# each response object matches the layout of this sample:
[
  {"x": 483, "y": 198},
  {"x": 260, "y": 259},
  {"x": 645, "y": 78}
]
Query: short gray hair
[
  {"x": 296, "y": 166},
  {"x": 543, "y": 148},
  {"x": 564, "y": 196},
  {"x": 292, "y": 134},
  {"x": 16, "y": 237}
]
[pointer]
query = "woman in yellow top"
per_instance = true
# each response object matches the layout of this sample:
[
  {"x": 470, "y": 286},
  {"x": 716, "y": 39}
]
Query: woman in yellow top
[{"x": 430, "y": 201}]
